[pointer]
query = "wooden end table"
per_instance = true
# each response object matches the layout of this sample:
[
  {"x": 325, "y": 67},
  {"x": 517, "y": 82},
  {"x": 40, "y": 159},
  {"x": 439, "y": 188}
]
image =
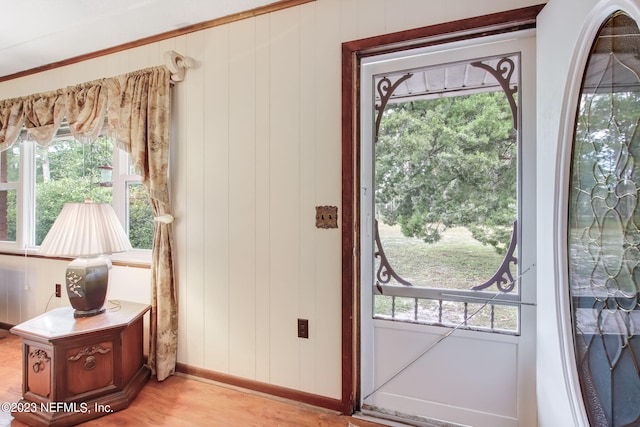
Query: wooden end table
[{"x": 78, "y": 369}]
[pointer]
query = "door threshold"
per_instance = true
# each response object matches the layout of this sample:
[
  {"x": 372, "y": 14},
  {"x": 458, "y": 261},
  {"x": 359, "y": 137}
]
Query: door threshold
[{"x": 396, "y": 419}]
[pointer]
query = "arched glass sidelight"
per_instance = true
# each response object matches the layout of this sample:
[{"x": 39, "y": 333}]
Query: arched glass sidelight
[{"x": 604, "y": 227}]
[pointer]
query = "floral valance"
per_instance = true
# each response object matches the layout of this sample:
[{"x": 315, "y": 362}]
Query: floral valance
[{"x": 84, "y": 106}]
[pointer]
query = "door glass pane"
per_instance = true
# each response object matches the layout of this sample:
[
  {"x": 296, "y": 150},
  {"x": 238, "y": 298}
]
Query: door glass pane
[
  {"x": 446, "y": 192},
  {"x": 604, "y": 227}
]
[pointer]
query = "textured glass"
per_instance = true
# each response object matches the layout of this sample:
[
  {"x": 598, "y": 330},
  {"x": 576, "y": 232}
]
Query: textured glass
[{"x": 604, "y": 227}]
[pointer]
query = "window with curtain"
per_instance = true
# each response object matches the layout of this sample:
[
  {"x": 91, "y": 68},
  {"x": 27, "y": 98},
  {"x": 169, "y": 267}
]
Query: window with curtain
[
  {"x": 66, "y": 170},
  {"x": 136, "y": 107}
]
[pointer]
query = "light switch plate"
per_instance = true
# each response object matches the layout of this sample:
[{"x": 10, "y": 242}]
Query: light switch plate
[{"x": 326, "y": 216}]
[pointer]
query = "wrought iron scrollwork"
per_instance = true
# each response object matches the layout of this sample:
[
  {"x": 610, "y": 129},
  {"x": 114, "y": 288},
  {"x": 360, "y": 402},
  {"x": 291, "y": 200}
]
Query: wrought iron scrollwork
[
  {"x": 385, "y": 271},
  {"x": 385, "y": 90},
  {"x": 502, "y": 73},
  {"x": 503, "y": 278}
]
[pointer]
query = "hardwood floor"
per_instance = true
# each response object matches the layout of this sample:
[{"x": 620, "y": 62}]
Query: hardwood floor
[{"x": 180, "y": 401}]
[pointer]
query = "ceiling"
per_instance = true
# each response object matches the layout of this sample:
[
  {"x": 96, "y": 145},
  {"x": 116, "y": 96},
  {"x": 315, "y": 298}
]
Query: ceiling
[{"x": 35, "y": 33}]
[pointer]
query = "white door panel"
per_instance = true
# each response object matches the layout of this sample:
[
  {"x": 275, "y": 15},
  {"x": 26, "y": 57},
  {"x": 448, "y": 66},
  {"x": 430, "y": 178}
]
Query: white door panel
[{"x": 474, "y": 387}]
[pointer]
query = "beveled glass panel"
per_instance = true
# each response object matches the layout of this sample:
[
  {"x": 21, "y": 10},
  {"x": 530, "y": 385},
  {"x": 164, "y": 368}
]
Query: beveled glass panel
[{"x": 604, "y": 227}]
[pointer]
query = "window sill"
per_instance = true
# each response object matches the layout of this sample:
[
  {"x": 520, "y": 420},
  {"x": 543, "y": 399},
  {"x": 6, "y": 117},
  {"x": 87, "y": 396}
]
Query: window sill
[{"x": 135, "y": 258}]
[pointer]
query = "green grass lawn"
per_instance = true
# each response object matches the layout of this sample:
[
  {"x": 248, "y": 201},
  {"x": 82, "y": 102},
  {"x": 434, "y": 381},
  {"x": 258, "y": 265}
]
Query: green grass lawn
[{"x": 457, "y": 261}]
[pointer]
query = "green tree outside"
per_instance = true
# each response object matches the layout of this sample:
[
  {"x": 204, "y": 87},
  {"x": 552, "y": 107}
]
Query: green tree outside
[{"x": 449, "y": 162}]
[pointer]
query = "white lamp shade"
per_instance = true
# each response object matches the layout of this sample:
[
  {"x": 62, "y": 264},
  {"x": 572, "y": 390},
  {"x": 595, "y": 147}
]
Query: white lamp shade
[{"x": 85, "y": 230}]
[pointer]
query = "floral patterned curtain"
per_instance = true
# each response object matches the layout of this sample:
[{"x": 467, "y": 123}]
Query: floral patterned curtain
[
  {"x": 138, "y": 108},
  {"x": 139, "y": 105}
]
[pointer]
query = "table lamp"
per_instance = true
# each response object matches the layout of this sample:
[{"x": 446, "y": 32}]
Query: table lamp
[{"x": 87, "y": 231}]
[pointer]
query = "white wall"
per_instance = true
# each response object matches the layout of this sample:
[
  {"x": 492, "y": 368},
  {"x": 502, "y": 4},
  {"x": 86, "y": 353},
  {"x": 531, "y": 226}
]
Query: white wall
[
  {"x": 27, "y": 286},
  {"x": 257, "y": 146}
]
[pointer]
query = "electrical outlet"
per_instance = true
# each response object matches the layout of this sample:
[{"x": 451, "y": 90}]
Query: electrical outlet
[
  {"x": 58, "y": 290},
  {"x": 303, "y": 328}
]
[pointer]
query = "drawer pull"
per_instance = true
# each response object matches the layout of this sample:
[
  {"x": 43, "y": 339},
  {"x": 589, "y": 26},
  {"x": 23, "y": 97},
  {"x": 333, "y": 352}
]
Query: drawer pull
[
  {"x": 89, "y": 363},
  {"x": 41, "y": 357}
]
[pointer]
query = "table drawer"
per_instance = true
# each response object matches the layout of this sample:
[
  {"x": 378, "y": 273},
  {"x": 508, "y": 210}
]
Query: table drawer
[{"x": 89, "y": 368}]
